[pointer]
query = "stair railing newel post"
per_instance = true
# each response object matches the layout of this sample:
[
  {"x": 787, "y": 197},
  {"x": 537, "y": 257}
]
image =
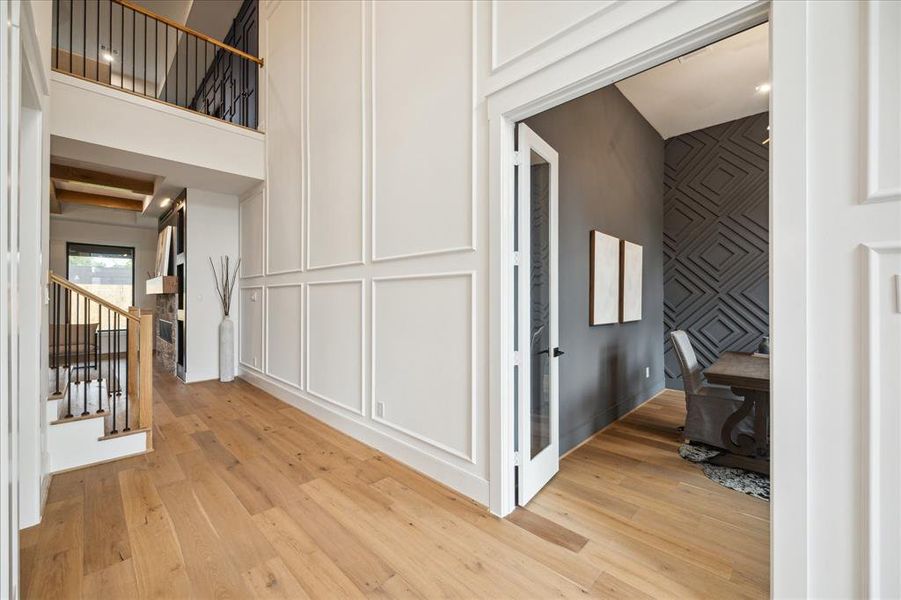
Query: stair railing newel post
[{"x": 225, "y": 281}]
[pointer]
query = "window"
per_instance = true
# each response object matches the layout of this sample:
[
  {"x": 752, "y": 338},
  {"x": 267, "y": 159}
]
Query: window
[{"x": 105, "y": 271}]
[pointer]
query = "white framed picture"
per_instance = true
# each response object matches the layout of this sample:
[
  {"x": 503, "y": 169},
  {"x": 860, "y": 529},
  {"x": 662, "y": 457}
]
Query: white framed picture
[
  {"x": 603, "y": 280},
  {"x": 630, "y": 274}
]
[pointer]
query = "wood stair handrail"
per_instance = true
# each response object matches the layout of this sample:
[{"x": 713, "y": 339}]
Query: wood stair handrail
[
  {"x": 80, "y": 290},
  {"x": 188, "y": 30}
]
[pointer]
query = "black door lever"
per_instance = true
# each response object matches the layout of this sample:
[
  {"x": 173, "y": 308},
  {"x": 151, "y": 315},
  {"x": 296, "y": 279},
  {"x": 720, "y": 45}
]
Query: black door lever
[{"x": 558, "y": 352}]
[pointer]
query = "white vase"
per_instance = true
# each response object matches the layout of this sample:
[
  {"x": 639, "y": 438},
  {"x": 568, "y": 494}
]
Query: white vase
[{"x": 226, "y": 350}]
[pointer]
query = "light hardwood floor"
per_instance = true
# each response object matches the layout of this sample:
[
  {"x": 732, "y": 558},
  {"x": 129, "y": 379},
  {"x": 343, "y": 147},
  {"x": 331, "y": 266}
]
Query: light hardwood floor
[{"x": 247, "y": 497}]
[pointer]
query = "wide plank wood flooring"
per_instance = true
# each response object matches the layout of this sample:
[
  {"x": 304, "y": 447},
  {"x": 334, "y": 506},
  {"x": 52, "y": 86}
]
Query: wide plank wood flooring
[{"x": 247, "y": 497}]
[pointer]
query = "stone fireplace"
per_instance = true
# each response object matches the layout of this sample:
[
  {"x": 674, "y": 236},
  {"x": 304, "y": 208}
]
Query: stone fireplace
[{"x": 166, "y": 354}]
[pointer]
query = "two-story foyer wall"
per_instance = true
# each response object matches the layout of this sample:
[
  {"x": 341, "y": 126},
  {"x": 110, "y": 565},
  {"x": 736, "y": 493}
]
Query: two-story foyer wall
[
  {"x": 363, "y": 294},
  {"x": 365, "y": 279}
]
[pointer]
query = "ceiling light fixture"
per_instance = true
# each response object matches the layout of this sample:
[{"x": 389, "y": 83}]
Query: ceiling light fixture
[
  {"x": 763, "y": 88},
  {"x": 165, "y": 202}
]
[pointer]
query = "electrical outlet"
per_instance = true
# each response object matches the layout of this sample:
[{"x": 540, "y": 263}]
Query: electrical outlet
[
  {"x": 647, "y": 372},
  {"x": 380, "y": 409}
]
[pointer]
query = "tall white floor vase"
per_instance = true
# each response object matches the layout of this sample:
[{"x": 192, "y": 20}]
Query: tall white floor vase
[{"x": 226, "y": 350}]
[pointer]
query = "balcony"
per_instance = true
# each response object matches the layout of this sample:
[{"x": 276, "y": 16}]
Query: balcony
[
  {"x": 122, "y": 46},
  {"x": 140, "y": 91}
]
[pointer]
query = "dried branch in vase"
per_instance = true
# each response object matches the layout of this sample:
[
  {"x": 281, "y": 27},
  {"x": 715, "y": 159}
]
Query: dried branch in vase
[{"x": 225, "y": 281}]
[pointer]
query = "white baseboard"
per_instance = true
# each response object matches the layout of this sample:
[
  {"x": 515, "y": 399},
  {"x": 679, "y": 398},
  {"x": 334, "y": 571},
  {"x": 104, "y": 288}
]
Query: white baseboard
[{"x": 468, "y": 484}]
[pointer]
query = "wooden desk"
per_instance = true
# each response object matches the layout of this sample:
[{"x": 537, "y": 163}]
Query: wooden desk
[{"x": 748, "y": 376}]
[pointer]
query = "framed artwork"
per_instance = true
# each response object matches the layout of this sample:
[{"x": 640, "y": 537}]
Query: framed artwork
[
  {"x": 163, "y": 245},
  {"x": 630, "y": 274},
  {"x": 603, "y": 281}
]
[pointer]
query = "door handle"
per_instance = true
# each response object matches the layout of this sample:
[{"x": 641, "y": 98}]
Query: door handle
[{"x": 557, "y": 352}]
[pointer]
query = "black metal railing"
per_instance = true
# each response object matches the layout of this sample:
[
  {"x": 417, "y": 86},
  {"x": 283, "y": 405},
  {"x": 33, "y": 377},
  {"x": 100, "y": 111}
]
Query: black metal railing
[
  {"x": 93, "y": 356},
  {"x": 122, "y": 45}
]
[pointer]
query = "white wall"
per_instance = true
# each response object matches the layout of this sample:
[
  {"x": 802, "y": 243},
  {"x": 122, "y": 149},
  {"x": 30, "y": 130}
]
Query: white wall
[{"x": 212, "y": 231}]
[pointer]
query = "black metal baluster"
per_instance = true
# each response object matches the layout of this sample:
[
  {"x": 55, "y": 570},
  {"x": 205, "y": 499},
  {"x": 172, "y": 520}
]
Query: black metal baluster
[
  {"x": 84, "y": 40},
  {"x": 122, "y": 45},
  {"x": 134, "y": 35},
  {"x": 68, "y": 356},
  {"x": 110, "y": 41},
  {"x": 118, "y": 356},
  {"x": 156, "y": 57},
  {"x": 97, "y": 348},
  {"x": 114, "y": 357},
  {"x": 75, "y": 341},
  {"x": 145, "y": 55},
  {"x": 87, "y": 358},
  {"x": 97, "y": 54},
  {"x": 167, "y": 63},
  {"x": 127, "y": 356},
  {"x": 71, "y": 62},
  {"x": 176, "y": 68},
  {"x": 56, "y": 54},
  {"x": 56, "y": 332}
]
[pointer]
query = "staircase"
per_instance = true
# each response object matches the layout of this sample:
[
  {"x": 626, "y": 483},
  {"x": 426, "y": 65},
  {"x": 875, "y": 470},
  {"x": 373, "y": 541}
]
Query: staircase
[{"x": 100, "y": 406}]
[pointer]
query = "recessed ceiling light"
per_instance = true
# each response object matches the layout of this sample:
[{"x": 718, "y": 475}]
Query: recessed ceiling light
[
  {"x": 763, "y": 88},
  {"x": 165, "y": 202}
]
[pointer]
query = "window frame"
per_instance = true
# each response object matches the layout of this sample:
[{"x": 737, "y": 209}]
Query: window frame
[{"x": 133, "y": 250}]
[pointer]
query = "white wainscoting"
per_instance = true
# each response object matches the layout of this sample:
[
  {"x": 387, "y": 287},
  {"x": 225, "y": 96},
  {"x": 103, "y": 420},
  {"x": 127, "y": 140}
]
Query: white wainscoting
[
  {"x": 251, "y": 232},
  {"x": 883, "y": 334},
  {"x": 284, "y": 332},
  {"x": 284, "y": 152},
  {"x": 423, "y": 358},
  {"x": 336, "y": 138},
  {"x": 334, "y": 346},
  {"x": 251, "y": 327},
  {"x": 883, "y": 93},
  {"x": 424, "y": 75}
]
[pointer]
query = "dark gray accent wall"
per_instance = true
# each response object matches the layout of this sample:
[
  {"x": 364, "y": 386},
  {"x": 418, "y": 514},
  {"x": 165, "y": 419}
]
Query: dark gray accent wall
[
  {"x": 716, "y": 231},
  {"x": 611, "y": 179}
]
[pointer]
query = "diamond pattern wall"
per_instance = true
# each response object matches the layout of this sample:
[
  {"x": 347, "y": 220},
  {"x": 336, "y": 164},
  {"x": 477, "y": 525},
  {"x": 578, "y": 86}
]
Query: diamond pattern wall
[{"x": 715, "y": 240}]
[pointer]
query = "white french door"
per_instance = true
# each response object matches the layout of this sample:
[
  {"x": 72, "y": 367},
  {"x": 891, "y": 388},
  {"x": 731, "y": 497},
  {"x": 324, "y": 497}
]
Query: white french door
[{"x": 537, "y": 332}]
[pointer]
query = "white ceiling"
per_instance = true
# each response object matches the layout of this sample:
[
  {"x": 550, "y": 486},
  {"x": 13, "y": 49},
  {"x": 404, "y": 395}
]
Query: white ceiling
[{"x": 712, "y": 85}]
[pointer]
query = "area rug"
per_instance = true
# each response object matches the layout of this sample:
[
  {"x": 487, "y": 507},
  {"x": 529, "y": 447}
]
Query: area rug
[{"x": 747, "y": 482}]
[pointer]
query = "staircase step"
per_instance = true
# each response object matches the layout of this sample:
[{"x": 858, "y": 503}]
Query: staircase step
[
  {"x": 63, "y": 378},
  {"x": 94, "y": 403},
  {"x": 112, "y": 436}
]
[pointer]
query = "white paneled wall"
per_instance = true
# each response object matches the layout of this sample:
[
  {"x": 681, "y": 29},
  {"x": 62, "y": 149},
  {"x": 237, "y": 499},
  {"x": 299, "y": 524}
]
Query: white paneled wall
[
  {"x": 363, "y": 250},
  {"x": 252, "y": 249},
  {"x": 334, "y": 349},
  {"x": 284, "y": 83},
  {"x": 251, "y": 327},
  {"x": 335, "y": 135},
  {"x": 423, "y": 128},
  {"x": 284, "y": 343}
]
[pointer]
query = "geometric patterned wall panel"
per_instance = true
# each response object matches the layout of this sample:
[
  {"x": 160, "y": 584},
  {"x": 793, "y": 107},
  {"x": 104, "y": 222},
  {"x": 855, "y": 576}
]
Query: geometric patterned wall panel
[{"x": 715, "y": 240}]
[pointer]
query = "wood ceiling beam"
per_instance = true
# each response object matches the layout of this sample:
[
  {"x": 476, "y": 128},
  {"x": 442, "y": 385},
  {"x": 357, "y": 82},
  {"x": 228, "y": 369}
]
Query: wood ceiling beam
[
  {"x": 98, "y": 200},
  {"x": 66, "y": 173}
]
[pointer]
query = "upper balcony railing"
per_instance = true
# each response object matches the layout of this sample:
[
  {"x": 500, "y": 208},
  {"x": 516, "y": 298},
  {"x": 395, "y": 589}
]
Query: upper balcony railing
[{"x": 121, "y": 45}]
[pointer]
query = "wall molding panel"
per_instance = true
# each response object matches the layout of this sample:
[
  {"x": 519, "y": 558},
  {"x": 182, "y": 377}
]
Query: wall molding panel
[
  {"x": 446, "y": 345},
  {"x": 338, "y": 134},
  {"x": 280, "y": 312},
  {"x": 251, "y": 327},
  {"x": 252, "y": 240},
  {"x": 883, "y": 355},
  {"x": 883, "y": 97},
  {"x": 425, "y": 125},
  {"x": 324, "y": 332},
  {"x": 498, "y": 63},
  {"x": 284, "y": 104}
]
